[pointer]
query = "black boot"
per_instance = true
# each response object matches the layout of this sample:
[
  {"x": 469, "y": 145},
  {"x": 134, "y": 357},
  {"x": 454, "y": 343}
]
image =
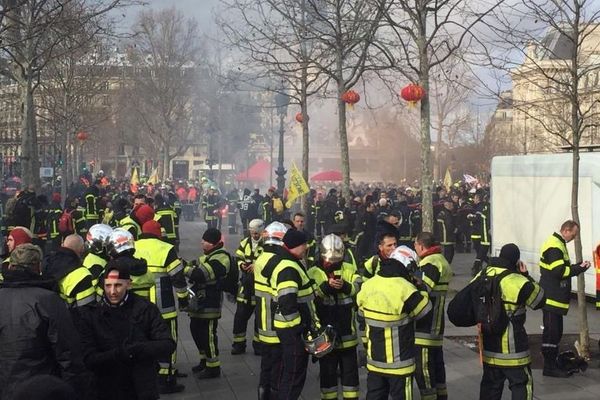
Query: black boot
[
  {"x": 200, "y": 366},
  {"x": 257, "y": 348},
  {"x": 263, "y": 393},
  {"x": 550, "y": 367},
  {"x": 209, "y": 373},
  {"x": 168, "y": 384},
  {"x": 238, "y": 348},
  {"x": 476, "y": 267}
]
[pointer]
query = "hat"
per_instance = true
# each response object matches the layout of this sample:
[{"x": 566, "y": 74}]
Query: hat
[
  {"x": 511, "y": 253},
  {"x": 21, "y": 235},
  {"x": 117, "y": 269},
  {"x": 56, "y": 197},
  {"x": 26, "y": 255},
  {"x": 152, "y": 227},
  {"x": 294, "y": 238},
  {"x": 212, "y": 236},
  {"x": 144, "y": 213},
  {"x": 404, "y": 254}
]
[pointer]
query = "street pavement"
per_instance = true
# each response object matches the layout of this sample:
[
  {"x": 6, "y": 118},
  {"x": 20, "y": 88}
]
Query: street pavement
[{"x": 239, "y": 376}]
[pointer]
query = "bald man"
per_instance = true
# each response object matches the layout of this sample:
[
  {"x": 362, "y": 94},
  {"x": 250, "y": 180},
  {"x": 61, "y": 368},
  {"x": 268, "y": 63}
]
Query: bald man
[{"x": 66, "y": 268}]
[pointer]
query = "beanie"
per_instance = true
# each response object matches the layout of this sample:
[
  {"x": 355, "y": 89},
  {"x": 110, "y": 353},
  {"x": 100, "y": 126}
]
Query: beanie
[
  {"x": 21, "y": 235},
  {"x": 212, "y": 236},
  {"x": 511, "y": 253},
  {"x": 294, "y": 238},
  {"x": 152, "y": 227},
  {"x": 144, "y": 213},
  {"x": 117, "y": 269},
  {"x": 56, "y": 197}
]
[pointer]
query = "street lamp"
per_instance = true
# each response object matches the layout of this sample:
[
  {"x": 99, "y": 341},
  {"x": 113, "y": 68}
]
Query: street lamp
[{"x": 281, "y": 102}]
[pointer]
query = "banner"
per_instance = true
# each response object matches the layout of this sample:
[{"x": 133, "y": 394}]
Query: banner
[
  {"x": 448, "y": 180},
  {"x": 298, "y": 186},
  {"x": 135, "y": 181}
]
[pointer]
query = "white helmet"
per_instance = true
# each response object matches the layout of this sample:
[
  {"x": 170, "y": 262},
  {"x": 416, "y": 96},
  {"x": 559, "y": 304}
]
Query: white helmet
[
  {"x": 274, "y": 233},
  {"x": 256, "y": 225},
  {"x": 97, "y": 237},
  {"x": 404, "y": 254},
  {"x": 119, "y": 241},
  {"x": 332, "y": 249}
]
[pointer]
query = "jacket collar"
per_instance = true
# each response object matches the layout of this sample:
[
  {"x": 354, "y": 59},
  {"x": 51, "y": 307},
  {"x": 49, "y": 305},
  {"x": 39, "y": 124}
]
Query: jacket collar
[{"x": 559, "y": 237}]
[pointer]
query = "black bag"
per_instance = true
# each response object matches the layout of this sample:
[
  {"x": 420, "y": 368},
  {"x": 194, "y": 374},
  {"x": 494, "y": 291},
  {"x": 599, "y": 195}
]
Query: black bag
[
  {"x": 480, "y": 302},
  {"x": 229, "y": 283}
]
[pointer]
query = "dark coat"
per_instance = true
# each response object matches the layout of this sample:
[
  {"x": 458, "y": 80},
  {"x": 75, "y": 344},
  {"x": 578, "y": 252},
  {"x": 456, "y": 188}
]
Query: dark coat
[
  {"x": 37, "y": 335},
  {"x": 122, "y": 345}
]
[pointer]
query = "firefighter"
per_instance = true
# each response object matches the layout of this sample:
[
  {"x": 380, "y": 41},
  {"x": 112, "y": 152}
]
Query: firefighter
[
  {"x": 311, "y": 246},
  {"x": 248, "y": 251},
  {"x": 121, "y": 248},
  {"x": 91, "y": 199},
  {"x": 556, "y": 272},
  {"x": 506, "y": 356},
  {"x": 166, "y": 217},
  {"x": 295, "y": 313},
  {"x": 75, "y": 283},
  {"x": 52, "y": 217},
  {"x": 389, "y": 302},
  {"x": 167, "y": 269},
  {"x": 270, "y": 347},
  {"x": 96, "y": 256},
  {"x": 140, "y": 214},
  {"x": 204, "y": 276},
  {"x": 480, "y": 225},
  {"x": 445, "y": 229},
  {"x": 337, "y": 283},
  {"x": 387, "y": 242},
  {"x": 435, "y": 273},
  {"x": 210, "y": 204},
  {"x": 266, "y": 206}
]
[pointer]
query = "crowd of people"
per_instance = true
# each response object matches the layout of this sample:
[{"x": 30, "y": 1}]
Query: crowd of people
[{"x": 94, "y": 289}]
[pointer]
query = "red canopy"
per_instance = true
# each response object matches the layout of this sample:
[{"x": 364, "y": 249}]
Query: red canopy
[
  {"x": 256, "y": 173},
  {"x": 327, "y": 176}
]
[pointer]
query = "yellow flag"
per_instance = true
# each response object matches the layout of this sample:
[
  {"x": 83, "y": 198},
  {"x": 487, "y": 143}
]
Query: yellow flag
[
  {"x": 298, "y": 186},
  {"x": 153, "y": 177},
  {"x": 448, "y": 180},
  {"x": 135, "y": 180}
]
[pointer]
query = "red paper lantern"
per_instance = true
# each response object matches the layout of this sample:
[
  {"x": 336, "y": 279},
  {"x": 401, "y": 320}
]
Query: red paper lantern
[
  {"x": 299, "y": 117},
  {"x": 350, "y": 97},
  {"x": 81, "y": 136},
  {"x": 412, "y": 93}
]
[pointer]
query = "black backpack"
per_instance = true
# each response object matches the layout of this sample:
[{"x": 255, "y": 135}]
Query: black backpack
[{"x": 480, "y": 302}]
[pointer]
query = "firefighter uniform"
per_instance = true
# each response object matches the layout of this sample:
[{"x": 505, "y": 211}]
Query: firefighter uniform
[
  {"x": 95, "y": 263},
  {"x": 370, "y": 267},
  {"x": 92, "y": 211},
  {"x": 131, "y": 225},
  {"x": 210, "y": 205},
  {"x": 335, "y": 307},
  {"x": 246, "y": 254},
  {"x": 480, "y": 225},
  {"x": 167, "y": 218},
  {"x": 390, "y": 303},
  {"x": 79, "y": 223},
  {"x": 435, "y": 273},
  {"x": 77, "y": 288},
  {"x": 506, "y": 356},
  {"x": 296, "y": 312},
  {"x": 53, "y": 239},
  {"x": 204, "y": 275},
  {"x": 168, "y": 275},
  {"x": 445, "y": 233},
  {"x": 270, "y": 347},
  {"x": 556, "y": 272}
]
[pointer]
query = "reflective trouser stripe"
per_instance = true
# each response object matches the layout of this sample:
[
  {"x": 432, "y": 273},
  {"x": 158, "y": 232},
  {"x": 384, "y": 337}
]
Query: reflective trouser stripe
[
  {"x": 214, "y": 361},
  {"x": 168, "y": 368}
]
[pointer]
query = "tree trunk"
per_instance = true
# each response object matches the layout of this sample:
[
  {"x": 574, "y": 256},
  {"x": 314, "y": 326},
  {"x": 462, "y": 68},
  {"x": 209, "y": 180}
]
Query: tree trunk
[
  {"x": 426, "y": 178},
  {"x": 30, "y": 164},
  {"x": 305, "y": 135}
]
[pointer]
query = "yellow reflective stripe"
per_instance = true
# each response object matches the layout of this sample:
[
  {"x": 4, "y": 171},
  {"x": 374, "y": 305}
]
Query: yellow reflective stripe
[
  {"x": 389, "y": 347},
  {"x": 558, "y": 304},
  {"x": 391, "y": 370}
]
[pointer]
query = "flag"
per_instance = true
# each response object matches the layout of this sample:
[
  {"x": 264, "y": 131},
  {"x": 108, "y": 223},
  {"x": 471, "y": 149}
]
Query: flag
[
  {"x": 298, "y": 186},
  {"x": 153, "y": 177},
  {"x": 448, "y": 180},
  {"x": 471, "y": 180},
  {"x": 135, "y": 181}
]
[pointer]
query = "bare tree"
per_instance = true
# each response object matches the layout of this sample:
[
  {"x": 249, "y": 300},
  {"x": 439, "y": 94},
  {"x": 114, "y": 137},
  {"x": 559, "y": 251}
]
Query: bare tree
[
  {"x": 32, "y": 33},
  {"x": 420, "y": 36},
  {"x": 166, "y": 54},
  {"x": 554, "y": 86}
]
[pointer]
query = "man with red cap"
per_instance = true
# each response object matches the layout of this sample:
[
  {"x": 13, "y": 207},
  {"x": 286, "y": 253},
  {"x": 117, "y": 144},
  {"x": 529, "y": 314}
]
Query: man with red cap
[
  {"x": 17, "y": 236},
  {"x": 205, "y": 275},
  {"x": 123, "y": 337},
  {"x": 167, "y": 269}
]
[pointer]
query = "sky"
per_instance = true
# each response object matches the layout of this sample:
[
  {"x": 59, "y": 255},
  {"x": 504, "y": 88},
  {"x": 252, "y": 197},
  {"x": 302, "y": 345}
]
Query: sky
[{"x": 201, "y": 10}]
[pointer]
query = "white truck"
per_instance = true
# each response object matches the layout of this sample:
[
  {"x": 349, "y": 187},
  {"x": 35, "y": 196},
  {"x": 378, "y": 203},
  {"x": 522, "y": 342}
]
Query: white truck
[{"x": 531, "y": 198}]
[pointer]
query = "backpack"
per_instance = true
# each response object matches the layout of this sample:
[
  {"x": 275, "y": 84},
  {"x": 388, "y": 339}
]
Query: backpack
[
  {"x": 65, "y": 223},
  {"x": 480, "y": 302},
  {"x": 229, "y": 283}
]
